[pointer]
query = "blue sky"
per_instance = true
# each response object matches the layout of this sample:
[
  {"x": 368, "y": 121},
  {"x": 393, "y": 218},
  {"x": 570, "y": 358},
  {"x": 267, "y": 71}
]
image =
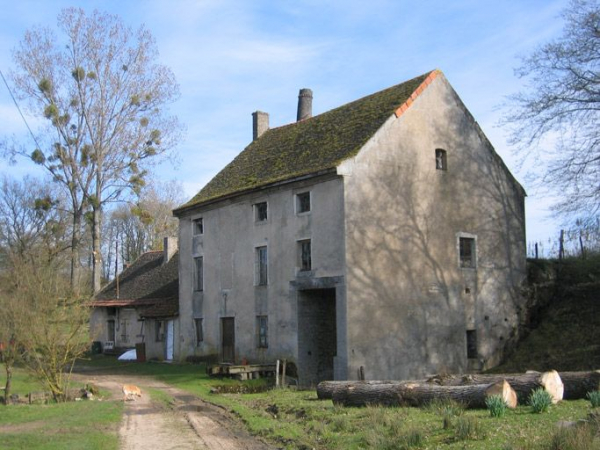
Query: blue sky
[{"x": 233, "y": 57}]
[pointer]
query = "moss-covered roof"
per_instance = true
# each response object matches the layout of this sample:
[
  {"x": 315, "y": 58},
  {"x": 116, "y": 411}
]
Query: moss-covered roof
[{"x": 306, "y": 147}]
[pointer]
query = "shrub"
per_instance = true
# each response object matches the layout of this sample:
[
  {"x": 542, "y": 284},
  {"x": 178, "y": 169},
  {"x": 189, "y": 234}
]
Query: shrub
[
  {"x": 594, "y": 398},
  {"x": 468, "y": 428},
  {"x": 447, "y": 408},
  {"x": 573, "y": 438},
  {"x": 496, "y": 406},
  {"x": 540, "y": 400}
]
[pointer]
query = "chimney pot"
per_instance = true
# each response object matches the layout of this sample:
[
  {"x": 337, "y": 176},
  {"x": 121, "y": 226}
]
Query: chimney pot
[
  {"x": 304, "y": 104},
  {"x": 260, "y": 124}
]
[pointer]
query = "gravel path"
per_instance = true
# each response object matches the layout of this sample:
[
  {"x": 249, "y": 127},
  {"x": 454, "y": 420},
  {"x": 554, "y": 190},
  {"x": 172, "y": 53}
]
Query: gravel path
[{"x": 189, "y": 423}]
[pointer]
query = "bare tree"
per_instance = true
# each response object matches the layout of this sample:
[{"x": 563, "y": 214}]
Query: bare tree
[
  {"x": 46, "y": 323},
  {"x": 561, "y": 105},
  {"x": 104, "y": 99}
]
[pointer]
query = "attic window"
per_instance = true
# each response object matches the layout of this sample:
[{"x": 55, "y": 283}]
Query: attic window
[
  {"x": 441, "y": 161},
  {"x": 198, "y": 226},
  {"x": 303, "y": 202},
  {"x": 260, "y": 212}
]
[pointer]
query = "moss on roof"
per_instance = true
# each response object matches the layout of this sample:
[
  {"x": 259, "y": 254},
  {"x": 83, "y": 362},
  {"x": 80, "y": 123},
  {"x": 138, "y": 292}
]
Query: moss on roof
[{"x": 309, "y": 146}]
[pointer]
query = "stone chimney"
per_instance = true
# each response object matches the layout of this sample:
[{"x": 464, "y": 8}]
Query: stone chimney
[
  {"x": 304, "y": 104},
  {"x": 169, "y": 248},
  {"x": 260, "y": 124}
]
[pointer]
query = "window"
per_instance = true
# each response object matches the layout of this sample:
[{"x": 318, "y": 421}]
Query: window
[
  {"x": 261, "y": 266},
  {"x": 441, "y": 162},
  {"x": 305, "y": 255},
  {"x": 199, "y": 274},
  {"x": 198, "y": 225},
  {"x": 467, "y": 252},
  {"x": 303, "y": 202},
  {"x": 262, "y": 325},
  {"x": 110, "y": 330},
  {"x": 159, "y": 335},
  {"x": 111, "y": 311},
  {"x": 260, "y": 212},
  {"x": 471, "y": 344},
  {"x": 199, "y": 331},
  {"x": 124, "y": 334}
]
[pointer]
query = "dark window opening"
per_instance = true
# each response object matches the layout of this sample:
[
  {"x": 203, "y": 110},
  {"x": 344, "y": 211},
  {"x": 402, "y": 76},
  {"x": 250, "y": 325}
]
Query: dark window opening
[
  {"x": 199, "y": 331},
  {"x": 305, "y": 255},
  {"x": 198, "y": 226},
  {"x": 111, "y": 330},
  {"x": 260, "y": 212},
  {"x": 198, "y": 274},
  {"x": 159, "y": 335},
  {"x": 467, "y": 252},
  {"x": 261, "y": 266},
  {"x": 111, "y": 311},
  {"x": 262, "y": 324},
  {"x": 471, "y": 344},
  {"x": 303, "y": 202},
  {"x": 441, "y": 161}
]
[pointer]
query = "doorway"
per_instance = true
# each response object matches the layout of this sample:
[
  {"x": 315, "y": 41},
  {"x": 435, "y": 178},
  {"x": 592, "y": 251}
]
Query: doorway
[
  {"x": 228, "y": 339},
  {"x": 317, "y": 335},
  {"x": 170, "y": 340}
]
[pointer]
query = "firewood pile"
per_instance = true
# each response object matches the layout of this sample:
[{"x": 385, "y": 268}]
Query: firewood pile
[{"x": 471, "y": 390}]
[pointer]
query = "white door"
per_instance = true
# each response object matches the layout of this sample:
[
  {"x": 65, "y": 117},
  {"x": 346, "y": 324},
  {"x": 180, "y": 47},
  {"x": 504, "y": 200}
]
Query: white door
[{"x": 170, "y": 340}]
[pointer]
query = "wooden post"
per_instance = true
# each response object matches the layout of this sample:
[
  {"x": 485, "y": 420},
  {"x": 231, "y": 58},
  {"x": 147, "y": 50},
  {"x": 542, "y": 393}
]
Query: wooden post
[
  {"x": 536, "y": 251},
  {"x": 283, "y": 374},
  {"x": 561, "y": 245},
  {"x": 277, "y": 374}
]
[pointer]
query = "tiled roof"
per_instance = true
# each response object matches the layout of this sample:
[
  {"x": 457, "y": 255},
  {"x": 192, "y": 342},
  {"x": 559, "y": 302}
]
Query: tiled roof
[
  {"x": 145, "y": 283},
  {"x": 310, "y": 146}
]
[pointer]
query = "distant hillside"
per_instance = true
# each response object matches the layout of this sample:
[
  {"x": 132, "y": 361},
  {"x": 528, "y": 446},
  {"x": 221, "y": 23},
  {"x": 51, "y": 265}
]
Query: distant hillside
[{"x": 563, "y": 331}]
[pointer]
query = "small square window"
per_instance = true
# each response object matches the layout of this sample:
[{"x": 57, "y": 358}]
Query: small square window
[
  {"x": 199, "y": 274},
  {"x": 262, "y": 327},
  {"x": 467, "y": 252},
  {"x": 441, "y": 161},
  {"x": 199, "y": 331},
  {"x": 261, "y": 266},
  {"x": 471, "y": 344},
  {"x": 198, "y": 226},
  {"x": 304, "y": 250},
  {"x": 260, "y": 212},
  {"x": 303, "y": 202}
]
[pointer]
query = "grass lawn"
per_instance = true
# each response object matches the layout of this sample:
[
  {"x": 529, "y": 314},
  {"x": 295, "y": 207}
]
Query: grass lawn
[
  {"x": 74, "y": 425},
  {"x": 298, "y": 420}
]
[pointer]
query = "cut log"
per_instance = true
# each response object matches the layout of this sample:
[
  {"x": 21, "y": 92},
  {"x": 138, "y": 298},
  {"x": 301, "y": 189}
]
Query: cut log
[
  {"x": 578, "y": 384},
  {"x": 419, "y": 394},
  {"x": 325, "y": 389},
  {"x": 523, "y": 384}
]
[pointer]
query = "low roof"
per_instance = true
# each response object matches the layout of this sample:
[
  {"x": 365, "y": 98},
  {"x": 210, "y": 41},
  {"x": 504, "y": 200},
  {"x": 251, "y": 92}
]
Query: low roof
[
  {"x": 307, "y": 147},
  {"x": 147, "y": 283}
]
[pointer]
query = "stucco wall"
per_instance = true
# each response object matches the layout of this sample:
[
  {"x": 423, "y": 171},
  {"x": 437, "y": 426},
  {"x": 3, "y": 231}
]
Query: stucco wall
[
  {"x": 409, "y": 303},
  {"x": 228, "y": 247}
]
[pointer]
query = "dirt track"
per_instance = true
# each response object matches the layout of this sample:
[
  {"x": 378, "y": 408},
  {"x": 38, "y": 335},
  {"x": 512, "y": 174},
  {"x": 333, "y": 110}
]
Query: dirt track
[{"x": 188, "y": 423}]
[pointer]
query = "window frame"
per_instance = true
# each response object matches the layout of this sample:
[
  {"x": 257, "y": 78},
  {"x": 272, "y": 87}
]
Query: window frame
[
  {"x": 159, "y": 331},
  {"x": 257, "y": 209},
  {"x": 301, "y": 199},
  {"x": 301, "y": 255},
  {"x": 472, "y": 262},
  {"x": 262, "y": 331},
  {"x": 198, "y": 274},
  {"x": 441, "y": 159},
  {"x": 199, "y": 330},
  {"x": 261, "y": 269},
  {"x": 198, "y": 226}
]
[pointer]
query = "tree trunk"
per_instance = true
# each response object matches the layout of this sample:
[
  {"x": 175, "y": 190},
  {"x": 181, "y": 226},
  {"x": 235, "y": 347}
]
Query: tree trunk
[
  {"x": 7, "y": 387},
  {"x": 325, "y": 389},
  {"x": 96, "y": 249},
  {"x": 578, "y": 384},
  {"x": 419, "y": 394},
  {"x": 523, "y": 384},
  {"x": 75, "y": 243}
]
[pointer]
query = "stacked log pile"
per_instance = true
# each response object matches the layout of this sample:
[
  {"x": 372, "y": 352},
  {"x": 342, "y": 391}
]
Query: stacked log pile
[{"x": 471, "y": 390}]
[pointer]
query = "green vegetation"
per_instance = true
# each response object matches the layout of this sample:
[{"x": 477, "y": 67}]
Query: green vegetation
[
  {"x": 594, "y": 398},
  {"x": 57, "y": 426},
  {"x": 540, "y": 400},
  {"x": 496, "y": 406}
]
